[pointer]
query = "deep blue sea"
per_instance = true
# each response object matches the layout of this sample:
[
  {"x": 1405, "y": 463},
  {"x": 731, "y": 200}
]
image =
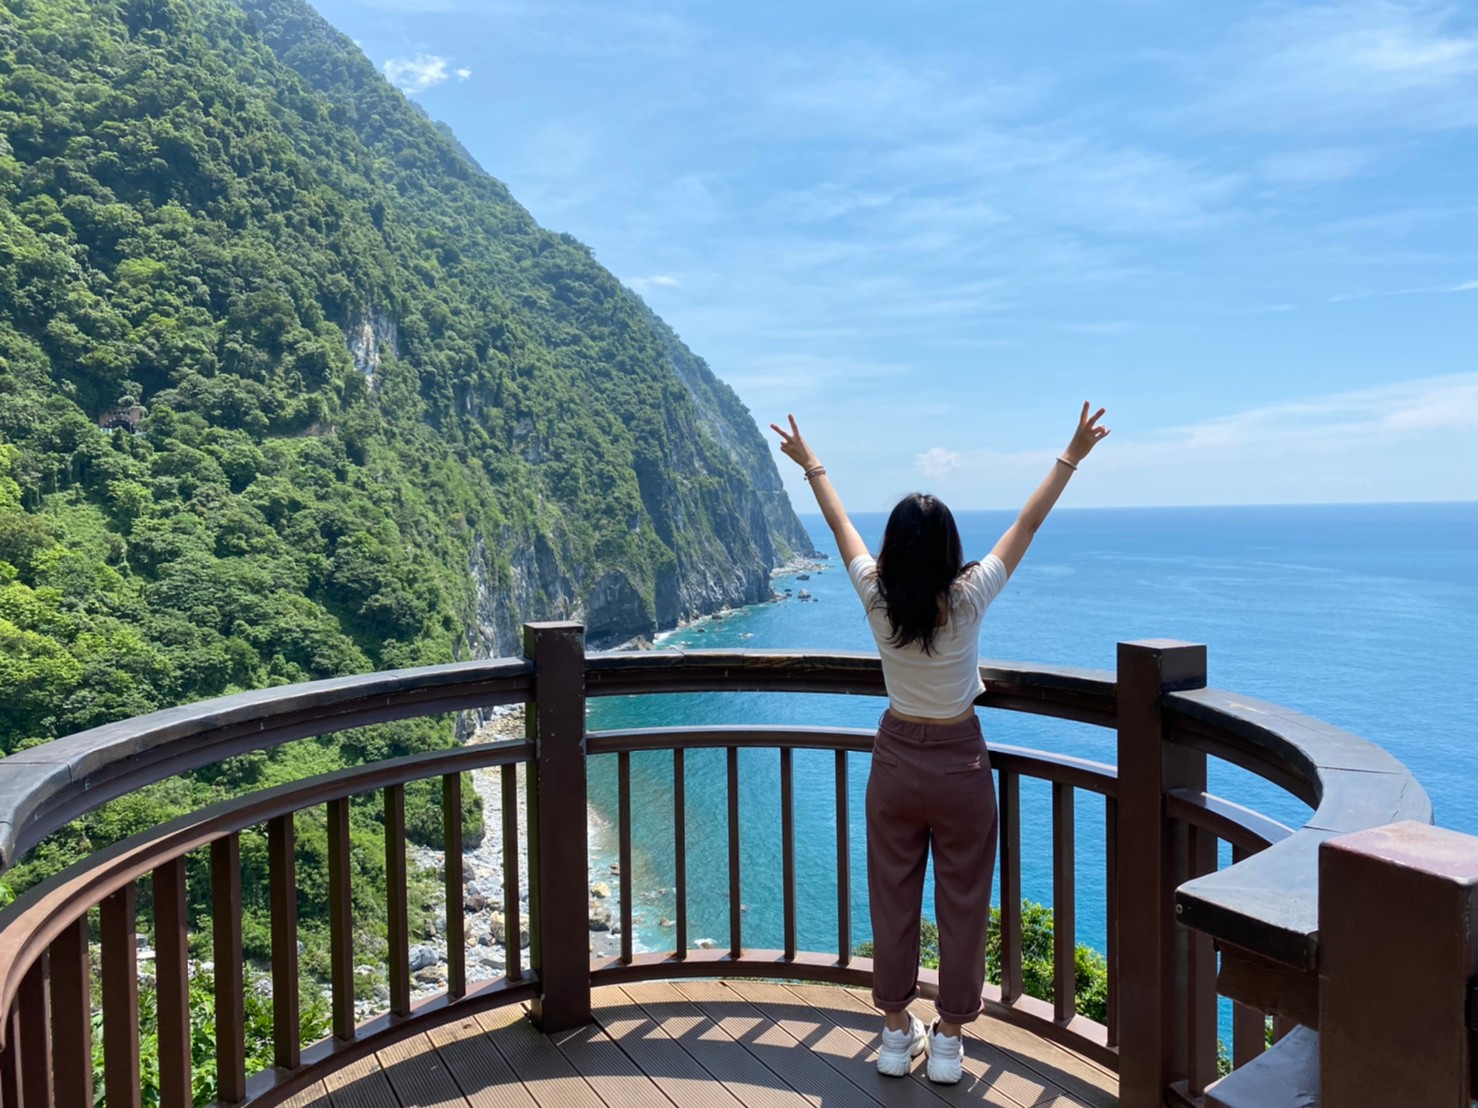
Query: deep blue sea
[{"x": 1362, "y": 615}]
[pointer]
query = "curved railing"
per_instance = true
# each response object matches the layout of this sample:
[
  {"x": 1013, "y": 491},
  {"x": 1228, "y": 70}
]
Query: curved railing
[{"x": 1162, "y": 830}]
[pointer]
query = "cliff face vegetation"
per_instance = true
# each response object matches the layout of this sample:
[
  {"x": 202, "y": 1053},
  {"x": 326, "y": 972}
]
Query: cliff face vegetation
[
  {"x": 290, "y": 388},
  {"x": 366, "y": 412}
]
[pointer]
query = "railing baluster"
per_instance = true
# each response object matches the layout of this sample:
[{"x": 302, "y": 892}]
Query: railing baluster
[
  {"x": 1249, "y": 1034},
  {"x": 736, "y": 944},
  {"x": 397, "y": 923},
  {"x": 787, "y": 850},
  {"x": 71, "y": 1015},
  {"x": 340, "y": 922},
  {"x": 172, "y": 976},
  {"x": 680, "y": 851},
  {"x": 30, "y": 1039},
  {"x": 282, "y": 882},
  {"x": 1064, "y": 923},
  {"x": 1249, "y": 1026},
  {"x": 844, "y": 866},
  {"x": 1200, "y": 977},
  {"x": 11, "y": 1095},
  {"x": 456, "y": 921},
  {"x": 512, "y": 933},
  {"x": 1010, "y": 846},
  {"x": 230, "y": 998},
  {"x": 1111, "y": 908},
  {"x": 623, "y": 789},
  {"x": 120, "y": 977}
]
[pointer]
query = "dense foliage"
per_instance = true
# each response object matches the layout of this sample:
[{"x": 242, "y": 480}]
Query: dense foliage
[
  {"x": 312, "y": 1013},
  {"x": 361, "y": 411}
]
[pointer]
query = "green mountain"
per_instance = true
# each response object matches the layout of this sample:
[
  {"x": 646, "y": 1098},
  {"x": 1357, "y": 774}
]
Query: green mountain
[{"x": 357, "y": 408}]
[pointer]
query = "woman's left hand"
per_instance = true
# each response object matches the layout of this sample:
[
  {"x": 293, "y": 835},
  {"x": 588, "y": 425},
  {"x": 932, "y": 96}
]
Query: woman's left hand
[
  {"x": 794, "y": 447},
  {"x": 1087, "y": 435}
]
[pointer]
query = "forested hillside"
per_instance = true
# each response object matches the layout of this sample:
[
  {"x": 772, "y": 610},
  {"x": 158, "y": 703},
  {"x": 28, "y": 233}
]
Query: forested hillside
[
  {"x": 387, "y": 418},
  {"x": 290, "y": 388}
]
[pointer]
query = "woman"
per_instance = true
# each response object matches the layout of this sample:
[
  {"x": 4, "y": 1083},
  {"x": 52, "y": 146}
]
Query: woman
[{"x": 930, "y": 787}]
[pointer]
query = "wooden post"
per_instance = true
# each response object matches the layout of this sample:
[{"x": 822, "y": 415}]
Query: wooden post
[
  {"x": 559, "y": 859},
  {"x": 71, "y": 1015},
  {"x": 1398, "y": 946},
  {"x": 1153, "y": 856}
]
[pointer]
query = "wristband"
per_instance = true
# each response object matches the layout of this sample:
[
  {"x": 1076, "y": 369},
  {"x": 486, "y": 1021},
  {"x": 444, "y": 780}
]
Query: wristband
[
  {"x": 1067, "y": 463},
  {"x": 815, "y": 471}
]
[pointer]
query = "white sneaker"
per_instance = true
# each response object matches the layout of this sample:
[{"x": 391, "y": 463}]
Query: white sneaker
[
  {"x": 900, "y": 1048},
  {"x": 946, "y": 1057}
]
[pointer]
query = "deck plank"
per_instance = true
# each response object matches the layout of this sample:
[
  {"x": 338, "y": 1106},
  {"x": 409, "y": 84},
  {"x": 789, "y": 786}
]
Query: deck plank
[
  {"x": 765, "y": 1035},
  {"x": 479, "y": 1068},
  {"x": 314, "y": 1096},
  {"x": 360, "y": 1084},
  {"x": 989, "y": 1075},
  {"x": 419, "y": 1076},
  {"x": 743, "y": 1072},
  {"x": 1075, "y": 1075},
  {"x": 704, "y": 1044},
  {"x": 853, "y": 1058},
  {"x": 545, "y": 1072},
  {"x": 616, "y": 1079},
  {"x": 684, "y": 1082}
]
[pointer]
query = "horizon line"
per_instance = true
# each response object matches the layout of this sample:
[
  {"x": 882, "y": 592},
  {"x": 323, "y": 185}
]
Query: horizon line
[{"x": 1175, "y": 507}]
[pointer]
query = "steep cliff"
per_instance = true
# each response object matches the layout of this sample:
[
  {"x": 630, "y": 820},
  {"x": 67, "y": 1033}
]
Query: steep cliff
[{"x": 378, "y": 416}]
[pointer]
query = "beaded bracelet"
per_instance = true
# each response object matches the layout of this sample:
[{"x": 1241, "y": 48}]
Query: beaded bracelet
[{"x": 1067, "y": 463}]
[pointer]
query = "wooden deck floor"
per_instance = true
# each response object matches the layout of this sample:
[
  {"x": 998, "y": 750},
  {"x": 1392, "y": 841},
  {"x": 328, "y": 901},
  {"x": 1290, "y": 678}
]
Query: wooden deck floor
[{"x": 705, "y": 1043}]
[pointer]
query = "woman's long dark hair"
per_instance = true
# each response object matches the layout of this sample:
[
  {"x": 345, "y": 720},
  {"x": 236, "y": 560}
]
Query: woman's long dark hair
[{"x": 920, "y": 559}]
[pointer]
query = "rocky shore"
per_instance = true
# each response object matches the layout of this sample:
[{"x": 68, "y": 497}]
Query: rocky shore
[{"x": 485, "y": 927}]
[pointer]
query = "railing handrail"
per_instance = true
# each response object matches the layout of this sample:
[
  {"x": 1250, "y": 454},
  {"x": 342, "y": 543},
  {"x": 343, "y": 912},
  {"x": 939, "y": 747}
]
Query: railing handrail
[
  {"x": 45, "y": 787},
  {"x": 38, "y": 915},
  {"x": 1268, "y": 903},
  {"x": 1263, "y": 907}
]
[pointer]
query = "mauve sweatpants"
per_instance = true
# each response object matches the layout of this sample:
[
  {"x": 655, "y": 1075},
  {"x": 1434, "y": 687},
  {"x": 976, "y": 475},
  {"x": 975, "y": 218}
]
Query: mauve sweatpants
[{"x": 930, "y": 789}]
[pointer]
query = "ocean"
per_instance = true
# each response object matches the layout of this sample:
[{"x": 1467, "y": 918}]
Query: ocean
[{"x": 1365, "y": 616}]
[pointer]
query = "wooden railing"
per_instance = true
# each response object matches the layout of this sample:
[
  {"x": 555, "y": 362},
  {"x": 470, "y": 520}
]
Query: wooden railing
[{"x": 1171, "y": 913}]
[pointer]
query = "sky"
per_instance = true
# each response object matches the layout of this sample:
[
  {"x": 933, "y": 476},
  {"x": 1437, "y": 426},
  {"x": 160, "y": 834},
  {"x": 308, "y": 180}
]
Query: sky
[{"x": 933, "y": 229}]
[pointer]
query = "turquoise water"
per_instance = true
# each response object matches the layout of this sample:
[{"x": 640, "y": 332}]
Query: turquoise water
[{"x": 1365, "y": 616}]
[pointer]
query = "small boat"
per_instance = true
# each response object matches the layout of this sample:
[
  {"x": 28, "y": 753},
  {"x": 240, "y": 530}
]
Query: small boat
[
  {"x": 802, "y": 576},
  {"x": 804, "y": 595}
]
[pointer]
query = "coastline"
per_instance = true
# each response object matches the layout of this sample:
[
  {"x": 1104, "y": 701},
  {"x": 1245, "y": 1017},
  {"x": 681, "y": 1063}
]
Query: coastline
[
  {"x": 482, "y": 865},
  {"x": 484, "y": 925}
]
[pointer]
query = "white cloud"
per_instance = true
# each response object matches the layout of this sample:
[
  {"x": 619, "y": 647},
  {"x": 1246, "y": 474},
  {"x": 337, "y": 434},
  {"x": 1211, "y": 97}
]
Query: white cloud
[
  {"x": 937, "y": 463},
  {"x": 1109, "y": 327},
  {"x": 463, "y": 73},
  {"x": 1427, "y": 290},
  {"x": 417, "y": 74},
  {"x": 1339, "y": 423},
  {"x": 660, "y": 280},
  {"x": 1316, "y": 166},
  {"x": 1346, "y": 65}
]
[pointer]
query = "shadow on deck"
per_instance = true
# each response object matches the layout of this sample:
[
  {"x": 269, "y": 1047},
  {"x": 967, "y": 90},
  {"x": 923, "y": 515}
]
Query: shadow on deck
[{"x": 705, "y": 1043}]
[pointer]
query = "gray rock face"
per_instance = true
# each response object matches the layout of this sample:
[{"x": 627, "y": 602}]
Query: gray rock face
[{"x": 372, "y": 335}]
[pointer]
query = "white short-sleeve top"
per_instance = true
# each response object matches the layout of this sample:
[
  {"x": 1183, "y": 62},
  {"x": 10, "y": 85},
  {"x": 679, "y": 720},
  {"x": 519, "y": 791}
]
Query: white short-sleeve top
[{"x": 945, "y": 682}]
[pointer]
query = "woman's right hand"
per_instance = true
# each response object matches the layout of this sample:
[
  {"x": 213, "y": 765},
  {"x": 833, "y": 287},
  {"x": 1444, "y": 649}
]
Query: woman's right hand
[
  {"x": 794, "y": 447},
  {"x": 1086, "y": 437}
]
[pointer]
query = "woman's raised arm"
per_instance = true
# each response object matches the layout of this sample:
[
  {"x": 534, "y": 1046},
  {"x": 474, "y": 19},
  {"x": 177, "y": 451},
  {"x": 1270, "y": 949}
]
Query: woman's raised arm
[
  {"x": 1012, "y": 545},
  {"x": 849, "y": 542}
]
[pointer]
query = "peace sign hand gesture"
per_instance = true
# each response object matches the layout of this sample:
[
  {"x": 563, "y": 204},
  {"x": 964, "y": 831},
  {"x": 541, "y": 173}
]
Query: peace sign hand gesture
[
  {"x": 1086, "y": 437},
  {"x": 794, "y": 447}
]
